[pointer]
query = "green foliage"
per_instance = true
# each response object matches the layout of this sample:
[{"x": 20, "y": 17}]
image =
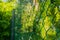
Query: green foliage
[
  {"x": 40, "y": 21},
  {"x": 5, "y": 19},
  {"x": 35, "y": 20}
]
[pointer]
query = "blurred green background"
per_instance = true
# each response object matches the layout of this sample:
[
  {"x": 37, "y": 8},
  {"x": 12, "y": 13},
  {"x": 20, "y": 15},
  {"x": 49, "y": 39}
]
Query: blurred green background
[{"x": 29, "y": 19}]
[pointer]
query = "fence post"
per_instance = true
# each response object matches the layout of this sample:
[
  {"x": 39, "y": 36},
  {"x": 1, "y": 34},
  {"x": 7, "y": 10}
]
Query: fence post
[{"x": 13, "y": 25}]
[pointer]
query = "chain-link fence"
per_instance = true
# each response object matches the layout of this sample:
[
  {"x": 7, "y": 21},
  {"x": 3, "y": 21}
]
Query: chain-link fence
[
  {"x": 37, "y": 20},
  {"x": 29, "y": 20}
]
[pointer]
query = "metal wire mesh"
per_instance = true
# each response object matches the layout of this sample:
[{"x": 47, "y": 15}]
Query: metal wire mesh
[{"x": 36, "y": 21}]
